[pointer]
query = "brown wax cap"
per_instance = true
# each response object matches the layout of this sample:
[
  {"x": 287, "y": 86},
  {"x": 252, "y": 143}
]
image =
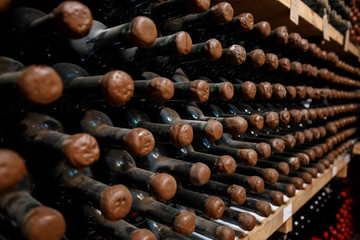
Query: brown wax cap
[
  {"x": 235, "y": 55},
  {"x": 325, "y": 162},
  {"x": 311, "y": 153},
  {"x": 184, "y": 223},
  {"x": 319, "y": 152},
  {"x": 12, "y": 170},
  {"x": 289, "y": 140},
  {"x": 256, "y": 122},
  {"x": 222, "y": 13},
  {"x": 199, "y": 91},
  {"x": 139, "y": 142},
  {"x": 294, "y": 40},
  {"x": 236, "y": 125},
  {"x": 332, "y": 57},
  {"x": 296, "y": 68},
  {"x": 245, "y": 22},
  {"x": 330, "y": 144},
  {"x": 271, "y": 119},
  {"x": 183, "y": 43},
  {"x": 198, "y": 6},
  {"x": 270, "y": 175},
  {"x": 213, "y": 130},
  {"x": 4, "y": 7},
  {"x": 324, "y": 74},
  {"x": 115, "y": 202},
  {"x": 271, "y": 61},
  {"x": 247, "y": 157},
  {"x": 284, "y": 117},
  {"x": 294, "y": 163},
  {"x": 290, "y": 92},
  {"x": 279, "y": 91},
  {"x": 43, "y": 223},
  {"x": 263, "y": 29},
  {"x": 199, "y": 174},
  {"x": 304, "y": 45},
  {"x": 323, "y": 55},
  {"x": 263, "y": 208},
  {"x": 313, "y": 172},
  {"x": 284, "y": 64},
  {"x": 277, "y": 198},
  {"x": 213, "y": 49},
  {"x": 256, "y": 184},
  {"x": 248, "y": 90},
  {"x": 290, "y": 190},
  {"x": 214, "y": 207},
  {"x": 320, "y": 167},
  {"x": 181, "y": 135},
  {"x": 331, "y": 128},
  {"x": 300, "y": 92},
  {"x": 283, "y": 168},
  {"x": 306, "y": 177},
  {"x": 314, "y": 71},
  {"x": 300, "y": 137},
  {"x": 263, "y": 150},
  {"x": 117, "y": 87},
  {"x": 160, "y": 89},
  {"x": 312, "y": 49},
  {"x": 81, "y": 150},
  {"x": 295, "y": 116},
  {"x": 264, "y": 90},
  {"x": 39, "y": 84},
  {"x": 226, "y": 91},
  {"x": 316, "y": 132},
  {"x": 225, "y": 165},
  {"x": 277, "y": 145},
  {"x": 303, "y": 158},
  {"x": 306, "y": 70},
  {"x": 257, "y": 58},
  {"x": 162, "y": 186},
  {"x": 224, "y": 233},
  {"x": 237, "y": 194},
  {"x": 298, "y": 182},
  {"x": 313, "y": 113},
  {"x": 281, "y": 35},
  {"x": 246, "y": 221},
  {"x": 142, "y": 234},
  {"x": 142, "y": 32},
  {"x": 310, "y": 92},
  {"x": 305, "y": 115},
  {"x": 73, "y": 19},
  {"x": 320, "y": 112}
]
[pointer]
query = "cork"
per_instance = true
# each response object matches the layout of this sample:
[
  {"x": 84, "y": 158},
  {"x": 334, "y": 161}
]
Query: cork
[
  {"x": 264, "y": 90},
  {"x": 304, "y": 47},
  {"x": 183, "y": 43},
  {"x": 270, "y": 175},
  {"x": 311, "y": 153},
  {"x": 281, "y": 35},
  {"x": 181, "y": 135},
  {"x": 289, "y": 140},
  {"x": 263, "y": 208},
  {"x": 313, "y": 113},
  {"x": 294, "y": 40},
  {"x": 256, "y": 184},
  {"x": 315, "y": 132},
  {"x": 295, "y": 68},
  {"x": 139, "y": 142},
  {"x": 279, "y": 91},
  {"x": 277, "y": 198},
  {"x": 256, "y": 122},
  {"x": 222, "y": 13},
  {"x": 305, "y": 115},
  {"x": 225, "y": 165},
  {"x": 226, "y": 91},
  {"x": 284, "y": 117},
  {"x": 313, "y": 172},
  {"x": 277, "y": 145},
  {"x": 214, "y": 207},
  {"x": 224, "y": 233},
  {"x": 294, "y": 163},
  {"x": 245, "y": 22},
  {"x": 236, "y": 125},
  {"x": 298, "y": 182},
  {"x": 306, "y": 70},
  {"x": 199, "y": 174},
  {"x": 115, "y": 202},
  {"x": 12, "y": 170},
  {"x": 213, "y": 49},
  {"x": 162, "y": 186},
  {"x": 247, "y": 157},
  {"x": 235, "y": 55},
  {"x": 271, "y": 61},
  {"x": 198, "y": 6},
  {"x": 283, "y": 168},
  {"x": 246, "y": 221},
  {"x": 199, "y": 91},
  {"x": 184, "y": 223},
  {"x": 142, "y": 32},
  {"x": 213, "y": 130},
  {"x": 300, "y": 137},
  {"x": 237, "y": 194},
  {"x": 117, "y": 87},
  {"x": 142, "y": 234},
  {"x": 290, "y": 190},
  {"x": 160, "y": 89},
  {"x": 263, "y": 150},
  {"x": 295, "y": 116},
  {"x": 263, "y": 29},
  {"x": 284, "y": 64},
  {"x": 320, "y": 167},
  {"x": 257, "y": 58},
  {"x": 290, "y": 92},
  {"x": 271, "y": 119},
  {"x": 300, "y": 92},
  {"x": 303, "y": 158}
]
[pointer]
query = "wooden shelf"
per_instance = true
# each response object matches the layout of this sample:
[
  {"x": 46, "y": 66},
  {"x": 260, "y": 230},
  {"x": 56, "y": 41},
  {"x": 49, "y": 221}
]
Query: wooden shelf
[
  {"x": 311, "y": 25},
  {"x": 276, "y": 220}
]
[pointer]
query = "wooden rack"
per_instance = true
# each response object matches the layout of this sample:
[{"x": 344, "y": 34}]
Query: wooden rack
[
  {"x": 310, "y": 25},
  {"x": 281, "y": 218}
]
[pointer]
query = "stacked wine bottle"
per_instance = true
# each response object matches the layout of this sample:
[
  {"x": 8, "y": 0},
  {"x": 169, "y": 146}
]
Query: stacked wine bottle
[{"x": 160, "y": 119}]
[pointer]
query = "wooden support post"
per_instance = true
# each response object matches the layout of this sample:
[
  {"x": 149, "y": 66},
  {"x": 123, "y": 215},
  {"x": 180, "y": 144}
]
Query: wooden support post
[
  {"x": 356, "y": 148},
  {"x": 287, "y": 226},
  {"x": 343, "y": 172}
]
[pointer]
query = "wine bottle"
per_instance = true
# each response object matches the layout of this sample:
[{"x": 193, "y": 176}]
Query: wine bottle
[
  {"x": 244, "y": 220},
  {"x": 288, "y": 189},
  {"x": 253, "y": 183},
  {"x": 45, "y": 134},
  {"x": 259, "y": 207},
  {"x": 13, "y": 170},
  {"x": 117, "y": 166},
  {"x": 274, "y": 197},
  {"x": 298, "y": 182},
  {"x": 137, "y": 141},
  {"x": 162, "y": 231},
  {"x": 213, "y": 230},
  {"x": 36, "y": 84},
  {"x": 281, "y": 167},
  {"x": 268, "y": 174},
  {"x": 158, "y": 161},
  {"x": 294, "y": 162},
  {"x": 305, "y": 176},
  {"x": 277, "y": 144}
]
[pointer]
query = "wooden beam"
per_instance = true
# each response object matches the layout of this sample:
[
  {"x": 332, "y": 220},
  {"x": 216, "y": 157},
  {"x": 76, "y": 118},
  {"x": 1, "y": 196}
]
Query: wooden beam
[{"x": 287, "y": 226}]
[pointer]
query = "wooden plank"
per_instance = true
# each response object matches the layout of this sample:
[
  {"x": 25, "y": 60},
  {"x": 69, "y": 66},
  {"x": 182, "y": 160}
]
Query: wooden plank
[
  {"x": 356, "y": 148},
  {"x": 269, "y": 225},
  {"x": 343, "y": 172},
  {"x": 287, "y": 226}
]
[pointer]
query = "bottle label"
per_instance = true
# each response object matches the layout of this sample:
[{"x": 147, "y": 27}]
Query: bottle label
[
  {"x": 346, "y": 40},
  {"x": 334, "y": 171},
  {"x": 287, "y": 212},
  {"x": 294, "y": 11},
  {"x": 326, "y": 27}
]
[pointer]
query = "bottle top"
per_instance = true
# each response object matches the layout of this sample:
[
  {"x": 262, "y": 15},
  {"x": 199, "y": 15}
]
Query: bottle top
[
  {"x": 263, "y": 29},
  {"x": 284, "y": 64},
  {"x": 277, "y": 198},
  {"x": 116, "y": 202},
  {"x": 247, "y": 156},
  {"x": 39, "y": 84},
  {"x": 256, "y": 184},
  {"x": 246, "y": 221},
  {"x": 237, "y": 194},
  {"x": 184, "y": 223},
  {"x": 235, "y": 55},
  {"x": 303, "y": 158},
  {"x": 263, "y": 150},
  {"x": 142, "y": 234},
  {"x": 270, "y": 175},
  {"x": 199, "y": 6},
  {"x": 162, "y": 186},
  {"x": 142, "y": 32},
  {"x": 283, "y": 168},
  {"x": 213, "y": 130},
  {"x": 294, "y": 163},
  {"x": 224, "y": 233},
  {"x": 213, "y": 49},
  {"x": 300, "y": 137},
  {"x": 321, "y": 166},
  {"x": 306, "y": 70},
  {"x": 139, "y": 142},
  {"x": 314, "y": 71},
  {"x": 271, "y": 61},
  {"x": 183, "y": 43},
  {"x": 290, "y": 140},
  {"x": 308, "y": 135},
  {"x": 12, "y": 170},
  {"x": 117, "y": 87},
  {"x": 199, "y": 91},
  {"x": 307, "y": 177},
  {"x": 316, "y": 132},
  {"x": 161, "y": 89},
  {"x": 199, "y": 174},
  {"x": 296, "y": 68},
  {"x": 264, "y": 90},
  {"x": 271, "y": 119},
  {"x": 323, "y": 55},
  {"x": 281, "y": 35},
  {"x": 290, "y": 190},
  {"x": 313, "y": 113},
  {"x": 257, "y": 58},
  {"x": 305, "y": 115},
  {"x": 81, "y": 150},
  {"x": 43, "y": 223},
  {"x": 226, "y": 91},
  {"x": 294, "y": 40},
  {"x": 284, "y": 117},
  {"x": 263, "y": 208},
  {"x": 304, "y": 46},
  {"x": 222, "y": 13},
  {"x": 225, "y": 164},
  {"x": 236, "y": 125},
  {"x": 73, "y": 19},
  {"x": 311, "y": 153},
  {"x": 298, "y": 182},
  {"x": 214, "y": 207},
  {"x": 245, "y": 22},
  {"x": 256, "y": 122},
  {"x": 248, "y": 90},
  {"x": 277, "y": 145},
  {"x": 181, "y": 135},
  {"x": 279, "y": 91},
  {"x": 295, "y": 115}
]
